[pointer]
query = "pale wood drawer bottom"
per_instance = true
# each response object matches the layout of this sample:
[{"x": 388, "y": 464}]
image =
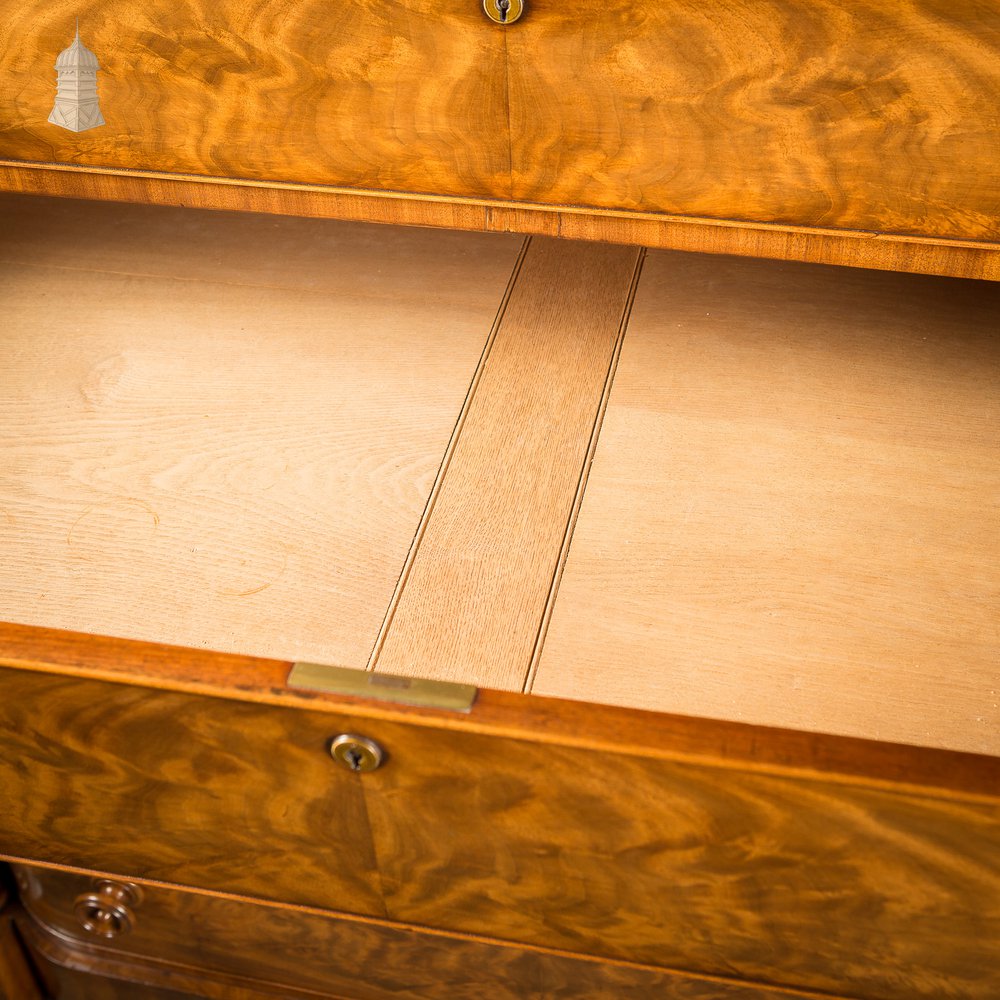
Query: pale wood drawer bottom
[{"x": 706, "y": 488}]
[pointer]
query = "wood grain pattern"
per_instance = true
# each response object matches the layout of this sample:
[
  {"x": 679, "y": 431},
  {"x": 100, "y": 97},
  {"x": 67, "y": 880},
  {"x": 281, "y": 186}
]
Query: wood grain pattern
[
  {"x": 222, "y": 430},
  {"x": 217, "y": 940},
  {"x": 397, "y": 94},
  {"x": 792, "y": 517},
  {"x": 861, "y": 115},
  {"x": 776, "y": 875},
  {"x": 804, "y": 882},
  {"x": 68, "y": 976},
  {"x": 470, "y": 603},
  {"x": 546, "y": 721},
  {"x": 853, "y": 248},
  {"x": 198, "y": 791},
  {"x": 796, "y": 882}
]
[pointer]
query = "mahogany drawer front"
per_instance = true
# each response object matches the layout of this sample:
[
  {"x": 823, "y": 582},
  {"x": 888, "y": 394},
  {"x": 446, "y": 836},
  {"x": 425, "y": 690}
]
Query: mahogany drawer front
[
  {"x": 852, "y": 114},
  {"x": 202, "y": 943},
  {"x": 864, "y": 118},
  {"x": 207, "y": 792},
  {"x": 751, "y": 873},
  {"x": 394, "y": 95}
]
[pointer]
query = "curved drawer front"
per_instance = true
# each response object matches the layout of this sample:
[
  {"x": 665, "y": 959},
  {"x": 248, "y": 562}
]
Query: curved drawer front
[{"x": 198, "y": 942}]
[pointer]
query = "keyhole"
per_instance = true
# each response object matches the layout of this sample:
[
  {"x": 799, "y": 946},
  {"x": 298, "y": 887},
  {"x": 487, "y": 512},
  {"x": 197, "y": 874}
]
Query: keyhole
[
  {"x": 356, "y": 753},
  {"x": 503, "y": 6}
]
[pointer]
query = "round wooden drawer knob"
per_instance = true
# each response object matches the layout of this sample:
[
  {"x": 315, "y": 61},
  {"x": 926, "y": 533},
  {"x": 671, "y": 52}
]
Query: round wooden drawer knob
[{"x": 107, "y": 911}]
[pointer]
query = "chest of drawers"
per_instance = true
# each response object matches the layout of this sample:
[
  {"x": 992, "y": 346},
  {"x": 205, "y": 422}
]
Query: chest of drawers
[{"x": 703, "y": 548}]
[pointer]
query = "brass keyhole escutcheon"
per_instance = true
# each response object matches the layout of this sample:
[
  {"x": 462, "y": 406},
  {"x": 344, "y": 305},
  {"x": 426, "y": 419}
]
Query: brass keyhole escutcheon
[
  {"x": 503, "y": 11},
  {"x": 356, "y": 753}
]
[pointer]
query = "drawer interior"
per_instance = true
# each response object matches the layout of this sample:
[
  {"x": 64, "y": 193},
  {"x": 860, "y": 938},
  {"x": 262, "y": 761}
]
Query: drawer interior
[
  {"x": 222, "y": 430},
  {"x": 762, "y": 491},
  {"x": 792, "y": 517}
]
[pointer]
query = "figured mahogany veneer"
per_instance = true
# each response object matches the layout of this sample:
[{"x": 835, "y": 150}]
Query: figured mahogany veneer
[
  {"x": 868, "y": 115},
  {"x": 230, "y": 948},
  {"x": 857, "y": 133},
  {"x": 712, "y": 848},
  {"x": 390, "y": 94}
]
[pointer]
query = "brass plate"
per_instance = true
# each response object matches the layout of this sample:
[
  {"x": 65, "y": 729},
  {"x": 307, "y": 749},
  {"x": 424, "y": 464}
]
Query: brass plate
[{"x": 383, "y": 687}]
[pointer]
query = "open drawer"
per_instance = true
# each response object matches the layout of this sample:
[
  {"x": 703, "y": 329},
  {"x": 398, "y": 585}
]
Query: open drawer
[{"x": 715, "y": 540}]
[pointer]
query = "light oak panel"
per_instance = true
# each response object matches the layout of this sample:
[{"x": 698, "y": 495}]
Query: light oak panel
[
  {"x": 397, "y": 94},
  {"x": 792, "y": 518},
  {"x": 471, "y": 598},
  {"x": 221, "y": 430},
  {"x": 857, "y": 115}
]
